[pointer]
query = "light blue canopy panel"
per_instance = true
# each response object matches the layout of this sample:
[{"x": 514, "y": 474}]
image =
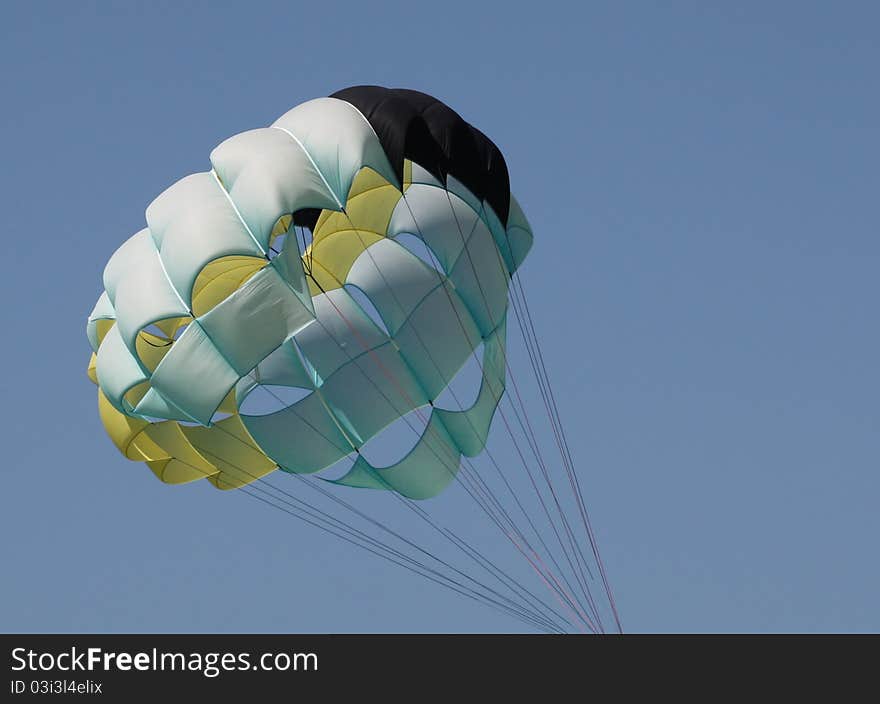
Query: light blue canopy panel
[
  {"x": 193, "y": 223},
  {"x": 338, "y": 140},
  {"x": 137, "y": 286},
  {"x": 433, "y": 462},
  {"x": 268, "y": 174}
]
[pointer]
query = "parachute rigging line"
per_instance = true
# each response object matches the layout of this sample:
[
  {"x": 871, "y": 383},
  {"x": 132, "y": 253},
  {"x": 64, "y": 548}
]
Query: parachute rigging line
[
  {"x": 293, "y": 504},
  {"x": 540, "y": 371},
  {"x": 489, "y": 566},
  {"x": 564, "y": 520},
  {"x": 437, "y": 268},
  {"x": 557, "y": 589}
]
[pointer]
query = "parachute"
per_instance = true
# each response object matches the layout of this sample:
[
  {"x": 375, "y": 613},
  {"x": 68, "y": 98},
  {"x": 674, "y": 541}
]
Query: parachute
[{"x": 346, "y": 263}]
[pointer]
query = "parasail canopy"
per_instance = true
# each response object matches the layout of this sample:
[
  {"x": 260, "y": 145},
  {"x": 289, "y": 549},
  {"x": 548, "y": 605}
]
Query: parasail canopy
[{"x": 347, "y": 262}]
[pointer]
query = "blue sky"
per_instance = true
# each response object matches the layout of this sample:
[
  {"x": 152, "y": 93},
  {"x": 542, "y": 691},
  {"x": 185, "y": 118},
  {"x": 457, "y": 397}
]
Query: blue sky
[{"x": 702, "y": 180}]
